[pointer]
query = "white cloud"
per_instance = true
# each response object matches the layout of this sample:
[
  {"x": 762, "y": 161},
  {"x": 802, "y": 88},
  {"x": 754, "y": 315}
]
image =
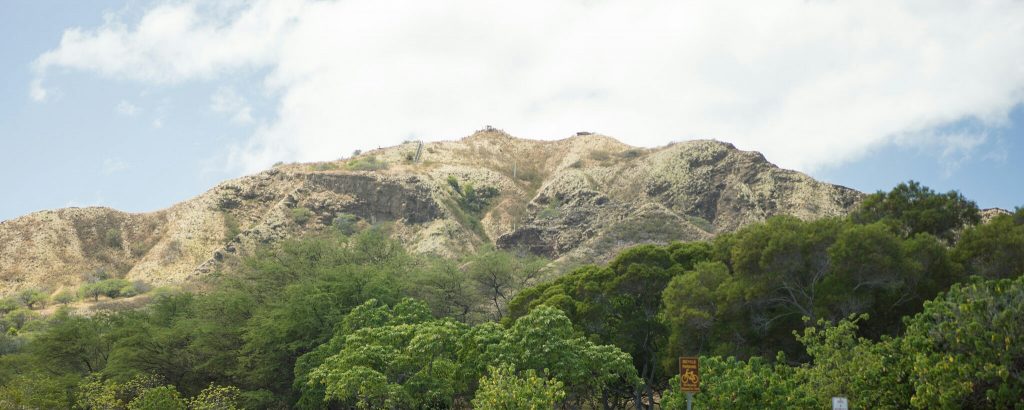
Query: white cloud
[
  {"x": 113, "y": 165},
  {"x": 36, "y": 90},
  {"x": 97, "y": 200},
  {"x": 808, "y": 83},
  {"x": 127, "y": 108},
  {"x": 227, "y": 101}
]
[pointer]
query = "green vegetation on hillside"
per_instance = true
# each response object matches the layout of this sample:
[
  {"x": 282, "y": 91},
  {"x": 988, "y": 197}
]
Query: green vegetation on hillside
[
  {"x": 367, "y": 163},
  {"x": 898, "y": 306}
]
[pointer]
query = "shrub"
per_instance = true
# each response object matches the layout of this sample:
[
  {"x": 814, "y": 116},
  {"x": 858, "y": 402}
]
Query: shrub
[
  {"x": 231, "y": 228},
  {"x": 112, "y": 237},
  {"x": 552, "y": 210},
  {"x": 172, "y": 252},
  {"x": 529, "y": 174},
  {"x": 472, "y": 200},
  {"x": 345, "y": 223},
  {"x": 64, "y": 297},
  {"x": 111, "y": 288},
  {"x": 138, "y": 249},
  {"x": 369, "y": 163},
  {"x": 19, "y": 317},
  {"x": 7, "y": 305},
  {"x": 301, "y": 215},
  {"x": 32, "y": 297},
  {"x": 326, "y": 166},
  {"x": 633, "y": 153},
  {"x": 600, "y": 155}
]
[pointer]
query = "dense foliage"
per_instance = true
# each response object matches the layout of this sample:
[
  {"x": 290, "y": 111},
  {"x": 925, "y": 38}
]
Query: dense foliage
[{"x": 906, "y": 303}]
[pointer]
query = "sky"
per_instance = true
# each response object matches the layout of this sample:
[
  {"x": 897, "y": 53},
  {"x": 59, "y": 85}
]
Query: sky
[{"x": 137, "y": 105}]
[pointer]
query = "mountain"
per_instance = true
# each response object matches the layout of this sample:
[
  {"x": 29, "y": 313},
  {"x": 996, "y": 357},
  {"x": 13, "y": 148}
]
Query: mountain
[{"x": 579, "y": 199}]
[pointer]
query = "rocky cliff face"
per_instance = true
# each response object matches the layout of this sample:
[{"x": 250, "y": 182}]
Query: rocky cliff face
[{"x": 580, "y": 199}]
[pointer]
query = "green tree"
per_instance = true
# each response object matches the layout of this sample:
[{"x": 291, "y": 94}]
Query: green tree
[
  {"x": 450, "y": 291},
  {"x": 499, "y": 274},
  {"x": 74, "y": 344},
  {"x": 19, "y": 317},
  {"x": 728, "y": 383},
  {"x": 393, "y": 357},
  {"x": 994, "y": 249},
  {"x": 158, "y": 398},
  {"x": 966, "y": 347},
  {"x": 504, "y": 390},
  {"x": 97, "y": 392},
  {"x": 620, "y": 304},
  {"x": 872, "y": 375},
  {"x": 215, "y": 397},
  {"x": 64, "y": 297},
  {"x": 36, "y": 390},
  {"x": 32, "y": 297},
  {"x": 111, "y": 288},
  {"x": 545, "y": 340},
  {"x": 695, "y": 303},
  {"x": 912, "y": 208}
]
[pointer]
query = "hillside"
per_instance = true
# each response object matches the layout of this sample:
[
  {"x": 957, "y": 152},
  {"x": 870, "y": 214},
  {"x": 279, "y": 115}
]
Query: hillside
[{"x": 574, "y": 200}]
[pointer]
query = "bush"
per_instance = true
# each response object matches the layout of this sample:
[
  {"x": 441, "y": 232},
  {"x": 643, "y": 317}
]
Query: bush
[
  {"x": 552, "y": 210},
  {"x": 7, "y": 305},
  {"x": 64, "y": 297},
  {"x": 172, "y": 252},
  {"x": 231, "y": 228},
  {"x": 471, "y": 199},
  {"x": 138, "y": 249},
  {"x": 369, "y": 163},
  {"x": 19, "y": 317},
  {"x": 527, "y": 173},
  {"x": 111, "y": 288},
  {"x": 325, "y": 166},
  {"x": 301, "y": 215},
  {"x": 633, "y": 153},
  {"x": 112, "y": 237},
  {"x": 346, "y": 223},
  {"x": 32, "y": 297}
]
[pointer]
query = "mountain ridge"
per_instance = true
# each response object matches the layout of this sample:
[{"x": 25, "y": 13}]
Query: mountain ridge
[{"x": 575, "y": 200}]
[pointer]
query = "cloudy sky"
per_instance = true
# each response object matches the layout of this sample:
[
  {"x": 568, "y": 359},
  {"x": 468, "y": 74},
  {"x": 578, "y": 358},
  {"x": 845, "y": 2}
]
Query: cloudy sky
[{"x": 139, "y": 104}]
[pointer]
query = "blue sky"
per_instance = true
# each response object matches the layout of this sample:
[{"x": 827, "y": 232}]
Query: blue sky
[{"x": 137, "y": 105}]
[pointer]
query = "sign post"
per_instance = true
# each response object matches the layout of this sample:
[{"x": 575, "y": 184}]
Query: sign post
[
  {"x": 689, "y": 378},
  {"x": 840, "y": 403}
]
